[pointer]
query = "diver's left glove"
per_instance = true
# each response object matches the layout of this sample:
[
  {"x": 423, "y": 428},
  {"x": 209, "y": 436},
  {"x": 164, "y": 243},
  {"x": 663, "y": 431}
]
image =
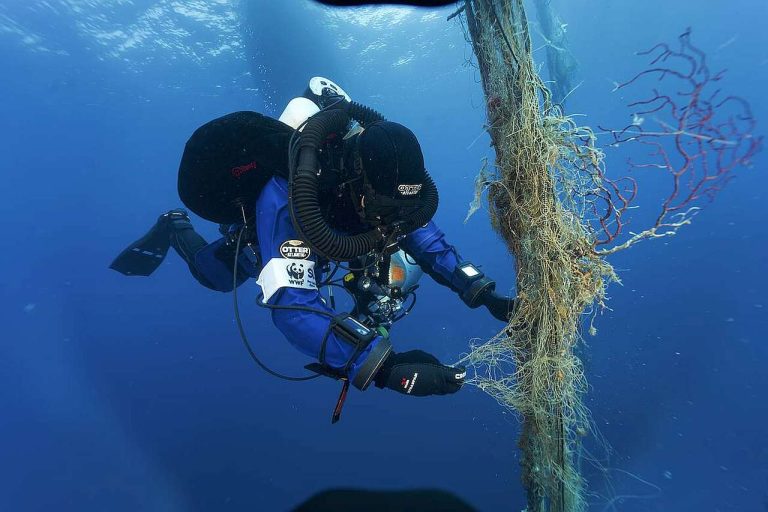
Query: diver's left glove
[
  {"x": 500, "y": 306},
  {"x": 477, "y": 289}
]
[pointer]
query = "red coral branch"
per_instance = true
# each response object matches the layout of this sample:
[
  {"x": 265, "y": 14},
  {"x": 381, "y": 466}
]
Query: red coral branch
[{"x": 699, "y": 142}]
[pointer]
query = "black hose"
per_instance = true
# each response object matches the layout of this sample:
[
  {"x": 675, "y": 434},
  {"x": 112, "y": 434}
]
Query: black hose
[
  {"x": 364, "y": 115},
  {"x": 240, "y": 327},
  {"x": 430, "y": 198},
  {"x": 304, "y": 182}
]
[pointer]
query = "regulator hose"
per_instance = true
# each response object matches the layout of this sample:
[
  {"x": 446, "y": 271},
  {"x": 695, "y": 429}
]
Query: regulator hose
[
  {"x": 363, "y": 115},
  {"x": 304, "y": 183}
]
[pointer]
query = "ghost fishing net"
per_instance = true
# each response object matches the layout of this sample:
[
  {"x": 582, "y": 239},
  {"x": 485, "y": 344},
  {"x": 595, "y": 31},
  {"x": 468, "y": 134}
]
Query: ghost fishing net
[
  {"x": 546, "y": 170},
  {"x": 551, "y": 202}
]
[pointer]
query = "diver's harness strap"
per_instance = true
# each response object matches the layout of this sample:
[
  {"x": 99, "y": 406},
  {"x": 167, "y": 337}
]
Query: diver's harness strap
[{"x": 472, "y": 284}]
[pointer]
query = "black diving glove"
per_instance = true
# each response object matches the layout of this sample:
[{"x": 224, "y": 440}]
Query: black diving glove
[
  {"x": 420, "y": 374},
  {"x": 500, "y": 306},
  {"x": 476, "y": 289}
]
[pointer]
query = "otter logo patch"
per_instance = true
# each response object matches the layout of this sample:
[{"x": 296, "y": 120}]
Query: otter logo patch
[
  {"x": 295, "y": 250},
  {"x": 409, "y": 190}
]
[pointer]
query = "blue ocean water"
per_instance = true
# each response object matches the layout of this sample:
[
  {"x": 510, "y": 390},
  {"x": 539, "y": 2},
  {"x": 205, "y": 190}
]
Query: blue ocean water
[{"x": 136, "y": 394}]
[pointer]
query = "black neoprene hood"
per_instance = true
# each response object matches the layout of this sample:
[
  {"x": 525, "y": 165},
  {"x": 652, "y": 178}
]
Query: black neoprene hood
[{"x": 391, "y": 157}]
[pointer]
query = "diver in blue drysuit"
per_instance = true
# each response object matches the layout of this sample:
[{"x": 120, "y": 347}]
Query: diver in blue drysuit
[
  {"x": 306, "y": 330},
  {"x": 317, "y": 330}
]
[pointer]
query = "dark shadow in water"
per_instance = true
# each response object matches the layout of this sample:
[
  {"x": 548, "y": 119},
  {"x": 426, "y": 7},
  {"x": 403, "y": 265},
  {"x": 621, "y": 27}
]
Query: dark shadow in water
[{"x": 421, "y": 500}]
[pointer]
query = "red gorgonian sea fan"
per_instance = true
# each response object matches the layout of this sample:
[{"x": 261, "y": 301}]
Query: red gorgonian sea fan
[{"x": 701, "y": 136}]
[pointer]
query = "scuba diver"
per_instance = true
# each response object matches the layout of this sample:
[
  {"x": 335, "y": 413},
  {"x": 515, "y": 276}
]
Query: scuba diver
[{"x": 331, "y": 186}]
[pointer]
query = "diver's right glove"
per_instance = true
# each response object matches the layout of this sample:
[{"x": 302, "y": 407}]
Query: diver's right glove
[{"x": 420, "y": 374}]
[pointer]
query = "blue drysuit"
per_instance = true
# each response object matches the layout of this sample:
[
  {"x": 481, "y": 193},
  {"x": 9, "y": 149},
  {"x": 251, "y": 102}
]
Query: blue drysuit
[{"x": 303, "y": 329}]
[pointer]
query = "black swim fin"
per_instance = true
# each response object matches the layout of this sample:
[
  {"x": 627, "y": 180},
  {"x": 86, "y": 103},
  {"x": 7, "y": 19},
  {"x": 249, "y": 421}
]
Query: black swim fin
[{"x": 143, "y": 256}]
